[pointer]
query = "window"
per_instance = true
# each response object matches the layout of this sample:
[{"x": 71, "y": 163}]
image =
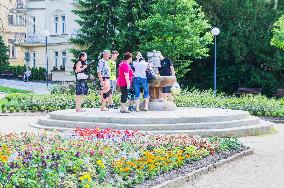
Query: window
[
  {"x": 56, "y": 59},
  {"x": 34, "y": 59},
  {"x": 11, "y": 19},
  {"x": 12, "y": 51},
  {"x": 34, "y": 25},
  {"x": 56, "y": 24},
  {"x": 63, "y": 24},
  {"x": 63, "y": 59}
]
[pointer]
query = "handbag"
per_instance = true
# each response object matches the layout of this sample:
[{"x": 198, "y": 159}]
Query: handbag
[
  {"x": 82, "y": 76},
  {"x": 150, "y": 74}
]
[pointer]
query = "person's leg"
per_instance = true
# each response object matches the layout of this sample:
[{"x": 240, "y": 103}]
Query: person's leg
[
  {"x": 146, "y": 94},
  {"x": 136, "y": 85},
  {"x": 110, "y": 100},
  {"x": 80, "y": 91},
  {"x": 106, "y": 88},
  {"x": 123, "y": 99},
  {"x": 78, "y": 103}
]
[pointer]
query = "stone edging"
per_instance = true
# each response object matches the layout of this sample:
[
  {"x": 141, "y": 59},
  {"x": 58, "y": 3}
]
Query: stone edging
[
  {"x": 24, "y": 114},
  {"x": 180, "y": 181}
]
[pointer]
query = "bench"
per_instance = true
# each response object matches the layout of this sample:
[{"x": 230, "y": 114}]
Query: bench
[
  {"x": 243, "y": 91},
  {"x": 7, "y": 75},
  {"x": 280, "y": 93}
]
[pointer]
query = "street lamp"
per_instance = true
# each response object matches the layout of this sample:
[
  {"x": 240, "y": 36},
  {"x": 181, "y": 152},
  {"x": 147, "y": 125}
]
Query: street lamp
[
  {"x": 46, "y": 34},
  {"x": 215, "y": 32},
  {"x": 27, "y": 59}
]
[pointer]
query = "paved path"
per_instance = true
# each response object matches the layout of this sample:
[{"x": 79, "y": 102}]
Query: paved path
[
  {"x": 263, "y": 169},
  {"x": 17, "y": 124},
  {"x": 36, "y": 87}
]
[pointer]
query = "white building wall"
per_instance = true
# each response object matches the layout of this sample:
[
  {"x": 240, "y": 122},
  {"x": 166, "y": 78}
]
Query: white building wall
[{"x": 44, "y": 12}]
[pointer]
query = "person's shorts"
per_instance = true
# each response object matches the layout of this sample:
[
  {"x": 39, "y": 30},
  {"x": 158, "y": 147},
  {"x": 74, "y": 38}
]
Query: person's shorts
[
  {"x": 81, "y": 87},
  {"x": 113, "y": 86},
  {"x": 167, "y": 89}
]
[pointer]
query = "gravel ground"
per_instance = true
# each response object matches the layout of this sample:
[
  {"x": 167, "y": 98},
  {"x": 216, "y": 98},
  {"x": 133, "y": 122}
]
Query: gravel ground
[{"x": 263, "y": 169}]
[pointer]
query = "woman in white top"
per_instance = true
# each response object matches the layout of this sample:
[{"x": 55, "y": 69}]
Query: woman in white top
[{"x": 140, "y": 80}]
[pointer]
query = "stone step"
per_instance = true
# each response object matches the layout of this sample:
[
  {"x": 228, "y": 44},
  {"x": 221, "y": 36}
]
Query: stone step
[
  {"x": 151, "y": 127},
  {"x": 252, "y": 130},
  {"x": 261, "y": 128},
  {"x": 173, "y": 117}
]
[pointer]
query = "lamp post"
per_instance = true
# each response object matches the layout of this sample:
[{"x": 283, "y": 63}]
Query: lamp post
[
  {"x": 27, "y": 59},
  {"x": 215, "y": 32},
  {"x": 46, "y": 34}
]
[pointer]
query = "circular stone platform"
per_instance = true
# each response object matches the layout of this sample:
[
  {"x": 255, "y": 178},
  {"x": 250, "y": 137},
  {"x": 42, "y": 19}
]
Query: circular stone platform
[{"x": 192, "y": 121}]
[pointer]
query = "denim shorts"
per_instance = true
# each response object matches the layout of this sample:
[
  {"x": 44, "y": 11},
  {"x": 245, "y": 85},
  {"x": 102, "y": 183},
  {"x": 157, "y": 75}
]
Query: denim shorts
[
  {"x": 137, "y": 84},
  {"x": 81, "y": 87}
]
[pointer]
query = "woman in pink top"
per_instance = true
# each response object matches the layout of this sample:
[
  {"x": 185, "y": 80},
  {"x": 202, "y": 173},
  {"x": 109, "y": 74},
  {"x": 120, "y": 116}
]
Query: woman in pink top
[{"x": 125, "y": 75}]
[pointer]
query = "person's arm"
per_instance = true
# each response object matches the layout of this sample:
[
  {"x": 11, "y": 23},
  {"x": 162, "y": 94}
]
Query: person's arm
[
  {"x": 79, "y": 67},
  {"x": 126, "y": 75},
  {"x": 172, "y": 68},
  {"x": 99, "y": 71},
  {"x": 173, "y": 71}
]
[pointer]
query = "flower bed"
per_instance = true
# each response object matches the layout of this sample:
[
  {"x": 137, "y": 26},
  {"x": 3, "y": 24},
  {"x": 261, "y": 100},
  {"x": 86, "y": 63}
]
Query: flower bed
[{"x": 94, "y": 157}]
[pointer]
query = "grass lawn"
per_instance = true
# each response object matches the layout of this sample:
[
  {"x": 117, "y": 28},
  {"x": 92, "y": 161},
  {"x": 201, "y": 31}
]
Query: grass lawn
[{"x": 12, "y": 90}]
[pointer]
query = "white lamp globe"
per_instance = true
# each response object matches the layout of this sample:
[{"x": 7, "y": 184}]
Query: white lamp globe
[
  {"x": 46, "y": 33},
  {"x": 215, "y": 31}
]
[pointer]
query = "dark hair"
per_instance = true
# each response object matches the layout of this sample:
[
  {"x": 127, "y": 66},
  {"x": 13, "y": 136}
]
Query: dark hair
[
  {"x": 82, "y": 54},
  {"x": 127, "y": 55},
  {"x": 141, "y": 59}
]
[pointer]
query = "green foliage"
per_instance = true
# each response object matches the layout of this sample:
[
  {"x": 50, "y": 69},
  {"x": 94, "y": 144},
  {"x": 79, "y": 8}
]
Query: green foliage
[
  {"x": 38, "y": 73},
  {"x": 227, "y": 144},
  {"x": 255, "y": 104},
  {"x": 4, "y": 58},
  {"x": 278, "y": 33},
  {"x": 107, "y": 24},
  {"x": 12, "y": 90},
  {"x": 245, "y": 57},
  {"x": 178, "y": 29}
]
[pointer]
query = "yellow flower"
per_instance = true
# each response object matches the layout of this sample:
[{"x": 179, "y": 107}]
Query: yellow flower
[
  {"x": 86, "y": 176},
  {"x": 101, "y": 164}
]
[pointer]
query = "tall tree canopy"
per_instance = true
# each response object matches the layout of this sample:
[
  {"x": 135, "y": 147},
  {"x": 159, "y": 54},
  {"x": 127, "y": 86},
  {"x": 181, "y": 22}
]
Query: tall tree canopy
[
  {"x": 4, "y": 57},
  {"x": 278, "y": 33},
  {"x": 245, "y": 57},
  {"x": 109, "y": 23},
  {"x": 178, "y": 28}
]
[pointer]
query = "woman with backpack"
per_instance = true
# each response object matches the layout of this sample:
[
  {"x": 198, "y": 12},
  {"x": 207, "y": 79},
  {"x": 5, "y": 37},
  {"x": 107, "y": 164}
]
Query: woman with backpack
[
  {"x": 82, "y": 75},
  {"x": 140, "y": 80}
]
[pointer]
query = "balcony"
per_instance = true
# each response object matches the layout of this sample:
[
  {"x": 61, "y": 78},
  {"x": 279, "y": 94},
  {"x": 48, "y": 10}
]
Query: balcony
[{"x": 29, "y": 40}]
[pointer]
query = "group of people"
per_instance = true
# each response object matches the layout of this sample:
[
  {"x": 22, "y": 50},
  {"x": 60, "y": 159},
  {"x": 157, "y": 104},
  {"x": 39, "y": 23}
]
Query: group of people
[{"x": 131, "y": 79}]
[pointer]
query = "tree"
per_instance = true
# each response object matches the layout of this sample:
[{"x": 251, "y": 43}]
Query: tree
[
  {"x": 278, "y": 33},
  {"x": 109, "y": 23},
  {"x": 178, "y": 29},
  {"x": 245, "y": 56},
  {"x": 4, "y": 57}
]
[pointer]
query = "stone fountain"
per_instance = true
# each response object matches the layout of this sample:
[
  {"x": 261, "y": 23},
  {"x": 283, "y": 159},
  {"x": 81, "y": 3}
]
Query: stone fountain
[{"x": 156, "y": 101}]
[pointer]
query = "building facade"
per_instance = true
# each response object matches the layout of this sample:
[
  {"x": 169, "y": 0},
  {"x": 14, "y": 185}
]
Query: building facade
[
  {"x": 52, "y": 20},
  {"x": 13, "y": 28}
]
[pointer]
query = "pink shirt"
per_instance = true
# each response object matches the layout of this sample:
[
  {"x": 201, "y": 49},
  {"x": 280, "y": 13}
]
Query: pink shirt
[{"x": 124, "y": 68}]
